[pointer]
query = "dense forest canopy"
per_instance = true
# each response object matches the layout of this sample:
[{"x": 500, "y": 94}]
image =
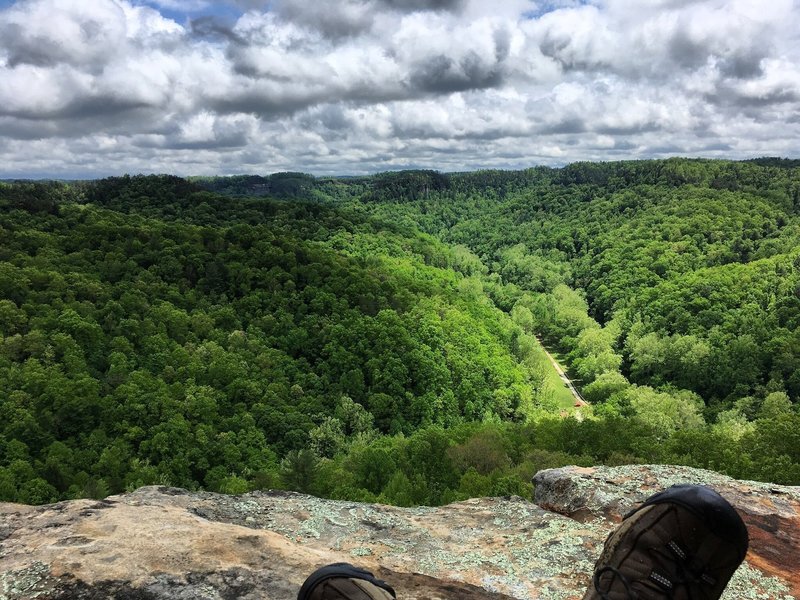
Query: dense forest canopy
[{"x": 375, "y": 338}]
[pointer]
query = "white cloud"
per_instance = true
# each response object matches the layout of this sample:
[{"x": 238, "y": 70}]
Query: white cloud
[{"x": 93, "y": 87}]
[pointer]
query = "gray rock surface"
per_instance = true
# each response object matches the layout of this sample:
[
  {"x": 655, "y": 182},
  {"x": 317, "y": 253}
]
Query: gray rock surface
[
  {"x": 164, "y": 543},
  {"x": 771, "y": 513}
]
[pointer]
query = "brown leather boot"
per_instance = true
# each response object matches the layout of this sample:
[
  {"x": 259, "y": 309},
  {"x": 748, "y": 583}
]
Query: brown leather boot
[
  {"x": 342, "y": 581},
  {"x": 684, "y": 543}
]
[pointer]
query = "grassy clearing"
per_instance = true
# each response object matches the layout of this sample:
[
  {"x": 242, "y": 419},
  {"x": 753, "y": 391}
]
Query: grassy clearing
[{"x": 562, "y": 393}]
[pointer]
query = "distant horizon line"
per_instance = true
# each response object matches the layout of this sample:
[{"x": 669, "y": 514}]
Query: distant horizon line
[{"x": 42, "y": 178}]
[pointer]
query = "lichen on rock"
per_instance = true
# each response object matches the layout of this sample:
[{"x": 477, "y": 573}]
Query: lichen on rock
[
  {"x": 771, "y": 513},
  {"x": 163, "y": 543}
]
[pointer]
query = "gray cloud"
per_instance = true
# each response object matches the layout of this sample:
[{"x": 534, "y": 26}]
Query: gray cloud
[
  {"x": 214, "y": 28},
  {"x": 264, "y": 105},
  {"x": 335, "y": 19},
  {"x": 567, "y": 125},
  {"x": 399, "y": 5},
  {"x": 22, "y": 49},
  {"x": 666, "y": 149},
  {"x": 234, "y": 140},
  {"x": 729, "y": 96},
  {"x": 623, "y": 145},
  {"x": 86, "y": 107},
  {"x": 348, "y": 86},
  {"x": 434, "y": 5},
  {"x": 330, "y": 118},
  {"x": 442, "y": 74},
  {"x": 338, "y": 19},
  {"x": 44, "y": 35},
  {"x": 626, "y": 130},
  {"x": 688, "y": 52},
  {"x": 744, "y": 66}
]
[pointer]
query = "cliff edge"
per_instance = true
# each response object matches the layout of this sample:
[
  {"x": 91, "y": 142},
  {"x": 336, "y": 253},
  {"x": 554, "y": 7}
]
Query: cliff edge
[{"x": 162, "y": 543}]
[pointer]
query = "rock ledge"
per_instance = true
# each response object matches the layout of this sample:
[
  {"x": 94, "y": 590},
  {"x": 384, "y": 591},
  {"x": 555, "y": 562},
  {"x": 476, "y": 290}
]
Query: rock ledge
[{"x": 165, "y": 543}]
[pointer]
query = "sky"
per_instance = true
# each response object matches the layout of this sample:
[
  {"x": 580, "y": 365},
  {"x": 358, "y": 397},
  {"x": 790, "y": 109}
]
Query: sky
[{"x": 90, "y": 88}]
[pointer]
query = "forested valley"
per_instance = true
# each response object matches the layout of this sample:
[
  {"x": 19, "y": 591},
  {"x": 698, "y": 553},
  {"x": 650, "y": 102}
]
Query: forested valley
[{"x": 379, "y": 338}]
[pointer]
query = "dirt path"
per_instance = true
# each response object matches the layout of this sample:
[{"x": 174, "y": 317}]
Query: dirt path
[{"x": 567, "y": 381}]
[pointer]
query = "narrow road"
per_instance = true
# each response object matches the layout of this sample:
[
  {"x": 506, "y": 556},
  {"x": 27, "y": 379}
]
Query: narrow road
[{"x": 567, "y": 381}]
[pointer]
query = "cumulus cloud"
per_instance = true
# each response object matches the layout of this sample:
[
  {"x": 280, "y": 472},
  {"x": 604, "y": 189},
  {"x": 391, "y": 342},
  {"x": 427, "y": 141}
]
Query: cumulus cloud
[
  {"x": 343, "y": 18},
  {"x": 92, "y": 87}
]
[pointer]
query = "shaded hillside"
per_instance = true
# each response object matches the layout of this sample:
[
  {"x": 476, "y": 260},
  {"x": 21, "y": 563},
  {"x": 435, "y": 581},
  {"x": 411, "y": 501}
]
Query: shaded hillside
[
  {"x": 672, "y": 287},
  {"x": 153, "y": 333},
  {"x": 692, "y": 267},
  {"x": 374, "y": 338}
]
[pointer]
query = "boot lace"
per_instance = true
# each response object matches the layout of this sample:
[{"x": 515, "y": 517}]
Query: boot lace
[{"x": 678, "y": 569}]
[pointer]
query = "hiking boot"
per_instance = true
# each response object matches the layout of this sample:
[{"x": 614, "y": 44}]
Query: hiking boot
[
  {"x": 684, "y": 543},
  {"x": 342, "y": 581}
]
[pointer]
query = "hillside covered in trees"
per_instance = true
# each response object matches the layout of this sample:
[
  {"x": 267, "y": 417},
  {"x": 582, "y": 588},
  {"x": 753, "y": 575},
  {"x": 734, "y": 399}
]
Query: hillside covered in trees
[{"x": 375, "y": 338}]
